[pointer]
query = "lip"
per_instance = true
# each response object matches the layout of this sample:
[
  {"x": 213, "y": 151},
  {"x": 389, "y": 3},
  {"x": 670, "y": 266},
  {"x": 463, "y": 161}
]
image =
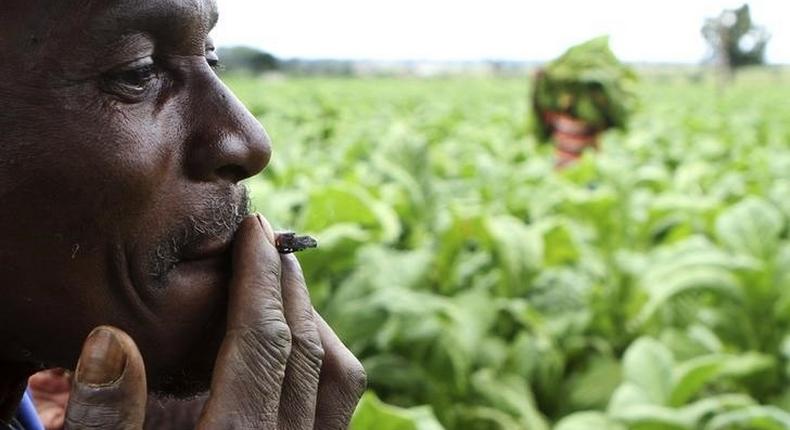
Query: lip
[
  {"x": 205, "y": 269},
  {"x": 195, "y": 285},
  {"x": 191, "y": 298},
  {"x": 209, "y": 249}
]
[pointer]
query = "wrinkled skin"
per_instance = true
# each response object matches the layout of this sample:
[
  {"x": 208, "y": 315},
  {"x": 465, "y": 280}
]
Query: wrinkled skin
[
  {"x": 98, "y": 168},
  {"x": 121, "y": 154}
]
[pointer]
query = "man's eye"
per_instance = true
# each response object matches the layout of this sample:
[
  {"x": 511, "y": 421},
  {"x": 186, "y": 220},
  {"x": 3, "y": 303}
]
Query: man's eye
[
  {"x": 132, "y": 81},
  {"x": 138, "y": 77},
  {"x": 212, "y": 59}
]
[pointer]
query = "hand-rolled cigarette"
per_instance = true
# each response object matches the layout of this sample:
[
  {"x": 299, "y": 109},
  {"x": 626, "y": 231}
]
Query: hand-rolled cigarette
[{"x": 289, "y": 242}]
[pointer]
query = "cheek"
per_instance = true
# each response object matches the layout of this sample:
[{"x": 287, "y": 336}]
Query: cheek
[
  {"x": 133, "y": 183},
  {"x": 73, "y": 184},
  {"x": 112, "y": 164},
  {"x": 129, "y": 163}
]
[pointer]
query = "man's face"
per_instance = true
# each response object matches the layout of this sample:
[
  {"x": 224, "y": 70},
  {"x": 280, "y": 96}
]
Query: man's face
[{"x": 120, "y": 157}]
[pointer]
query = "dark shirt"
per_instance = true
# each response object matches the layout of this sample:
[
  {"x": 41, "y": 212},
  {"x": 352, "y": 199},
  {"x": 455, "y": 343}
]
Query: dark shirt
[
  {"x": 14, "y": 425},
  {"x": 26, "y": 417}
]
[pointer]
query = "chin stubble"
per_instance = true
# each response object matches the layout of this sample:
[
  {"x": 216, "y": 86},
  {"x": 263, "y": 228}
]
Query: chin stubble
[{"x": 220, "y": 219}]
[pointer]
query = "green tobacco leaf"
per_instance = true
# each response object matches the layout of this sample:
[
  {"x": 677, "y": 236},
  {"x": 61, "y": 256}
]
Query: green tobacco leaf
[
  {"x": 519, "y": 247},
  {"x": 653, "y": 417},
  {"x": 394, "y": 372},
  {"x": 510, "y": 394},
  {"x": 348, "y": 203},
  {"x": 559, "y": 245},
  {"x": 701, "y": 410},
  {"x": 338, "y": 246},
  {"x": 691, "y": 279},
  {"x": 452, "y": 240},
  {"x": 626, "y": 396},
  {"x": 373, "y": 414},
  {"x": 588, "y": 421},
  {"x": 751, "y": 418},
  {"x": 751, "y": 227},
  {"x": 690, "y": 342},
  {"x": 629, "y": 406},
  {"x": 648, "y": 364},
  {"x": 685, "y": 267},
  {"x": 499, "y": 419},
  {"x": 691, "y": 376},
  {"x": 593, "y": 387}
]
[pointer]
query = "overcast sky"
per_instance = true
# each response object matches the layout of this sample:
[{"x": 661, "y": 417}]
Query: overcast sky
[{"x": 642, "y": 31}]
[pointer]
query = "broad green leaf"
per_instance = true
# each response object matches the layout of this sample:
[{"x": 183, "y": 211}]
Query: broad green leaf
[
  {"x": 648, "y": 365},
  {"x": 701, "y": 410},
  {"x": 626, "y": 396},
  {"x": 560, "y": 247},
  {"x": 691, "y": 279},
  {"x": 519, "y": 247},
  {"x": 510, "y": 394},
  {"x": 347, "y": 203},
  {"x": 501, "y": 420},
  {"x": 593, "y": 387},
  {"x": 653, "y": 417},
  {"x": 751, "y": 418},
  {"x": 588, "y": 421},
  {"x": 693, "y": 265},
  {"x": 691, "y": 376},
  {"x": 751, "y": 227},
  {"x": 373, "y": 414}
]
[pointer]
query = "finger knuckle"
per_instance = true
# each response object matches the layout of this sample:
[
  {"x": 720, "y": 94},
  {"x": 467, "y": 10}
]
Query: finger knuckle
[
  {"x": 355, "y": 380},
  {"x": 271, "y": 337},
  {"x": 335, "y": 421},
  {"x": 313, "y": 350},
  {"x": 93, "y": 416},
  {"x": 278, "y": 335},
  {"x": 308, "y": 341}
]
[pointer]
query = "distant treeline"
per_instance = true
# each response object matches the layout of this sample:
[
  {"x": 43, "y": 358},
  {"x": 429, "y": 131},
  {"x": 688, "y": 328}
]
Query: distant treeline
[
  {"x": 254, "y": 61},
  {"x": 242, "y": 59}
]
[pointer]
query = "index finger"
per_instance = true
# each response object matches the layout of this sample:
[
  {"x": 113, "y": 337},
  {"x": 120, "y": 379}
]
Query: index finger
[
  {"x": 250, "y": 365},
  {"x": 255, "y": 292}
]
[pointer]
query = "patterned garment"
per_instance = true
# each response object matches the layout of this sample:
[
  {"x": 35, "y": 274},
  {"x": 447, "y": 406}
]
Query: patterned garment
[{"x": 14, "y": 425}]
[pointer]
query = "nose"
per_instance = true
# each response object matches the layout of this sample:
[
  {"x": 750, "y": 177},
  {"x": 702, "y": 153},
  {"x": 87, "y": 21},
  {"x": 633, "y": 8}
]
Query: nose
[{"x": 227, "y": 142}]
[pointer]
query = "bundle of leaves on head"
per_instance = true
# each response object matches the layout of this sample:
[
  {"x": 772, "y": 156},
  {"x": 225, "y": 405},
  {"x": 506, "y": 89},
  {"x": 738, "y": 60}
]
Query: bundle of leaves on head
[{"x": 588, "y": 83}]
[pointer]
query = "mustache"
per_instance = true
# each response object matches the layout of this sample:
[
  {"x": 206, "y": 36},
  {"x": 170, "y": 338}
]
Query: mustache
[{"x": 220, "y": 218}]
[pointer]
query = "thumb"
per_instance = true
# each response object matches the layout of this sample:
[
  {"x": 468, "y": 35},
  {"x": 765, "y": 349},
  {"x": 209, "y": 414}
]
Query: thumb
[{"x": 109, "y": 390}]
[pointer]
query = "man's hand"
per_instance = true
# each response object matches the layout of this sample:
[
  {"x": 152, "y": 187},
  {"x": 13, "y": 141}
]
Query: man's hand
[
  {"x": 50, "y": 391},
  {"x": 279, "y": 367}
]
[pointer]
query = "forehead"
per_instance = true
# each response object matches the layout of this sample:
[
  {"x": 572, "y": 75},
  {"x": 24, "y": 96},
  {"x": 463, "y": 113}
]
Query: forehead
[
  {"x": 70, "y": 23},
  {"x": 183, "y": 15}
]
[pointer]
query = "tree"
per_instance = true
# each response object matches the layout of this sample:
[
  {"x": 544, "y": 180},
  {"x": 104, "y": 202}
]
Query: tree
[
  {"x": 735, "y": 40},
  {"x": 247, "y": 59}
]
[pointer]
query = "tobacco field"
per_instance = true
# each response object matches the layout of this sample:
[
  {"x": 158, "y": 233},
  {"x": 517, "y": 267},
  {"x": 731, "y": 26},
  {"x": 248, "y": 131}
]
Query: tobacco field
[{"x": 645, "y": 287}]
